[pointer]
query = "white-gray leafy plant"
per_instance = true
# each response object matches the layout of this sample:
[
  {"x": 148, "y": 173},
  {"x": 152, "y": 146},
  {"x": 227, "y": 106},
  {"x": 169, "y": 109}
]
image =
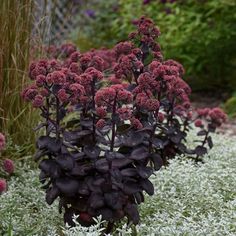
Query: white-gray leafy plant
[{"x": 190, "y": 200}]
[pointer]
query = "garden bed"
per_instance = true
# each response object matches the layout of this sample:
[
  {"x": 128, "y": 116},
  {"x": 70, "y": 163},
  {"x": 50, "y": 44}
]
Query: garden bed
[{"x": 189, "y": 200}]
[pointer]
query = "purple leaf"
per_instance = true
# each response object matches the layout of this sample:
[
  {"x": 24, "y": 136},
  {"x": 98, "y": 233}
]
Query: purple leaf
[
  {"x": 147, "y": 186},
  {"x": 67, "y": 186},
  {"x": 102, "y": 165},
  {"x": 139, "y": 197},
  {"x": 66, "y": 162},
  {"x": 131, "y": 188},
  {"x": 139, "y": 154},
  {"x": 51, "y": 194},
  {"x": 144, "y": 172},
  {"x": 128, "y": 172},
  {"x": 157, "y": 161},
  {"x": 92, "y": 151},
  {"x": 133, "y": 139},
  {"x": 200, "y": 151},
  {"x": 96, "y": 200},
  {"x": 119, "y": 163},
  {"x": 132, "y": 212}
]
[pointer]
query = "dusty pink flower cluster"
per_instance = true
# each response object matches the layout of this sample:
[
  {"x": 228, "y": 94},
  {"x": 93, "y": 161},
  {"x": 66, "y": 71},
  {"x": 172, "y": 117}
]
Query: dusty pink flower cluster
[
  {"x": 3, "y": 185},
  {"x": 68, "y": 81},
  {"x": 214, "y": 117},
  {"x": 8, "y": 166},
  {"x": 72, "y": 78}
]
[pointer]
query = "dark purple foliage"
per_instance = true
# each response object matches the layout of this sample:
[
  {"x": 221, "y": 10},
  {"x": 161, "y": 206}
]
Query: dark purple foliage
[{"x": 131, "y": 115}]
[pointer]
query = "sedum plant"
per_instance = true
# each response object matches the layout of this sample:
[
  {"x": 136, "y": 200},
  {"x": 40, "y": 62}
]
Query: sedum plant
[
  {"x": 130, "y": 114},
  {"x": 7, "y": 166}
]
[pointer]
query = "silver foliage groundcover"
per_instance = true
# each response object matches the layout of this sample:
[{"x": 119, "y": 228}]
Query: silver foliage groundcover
[{"x": 189, "y": 200}]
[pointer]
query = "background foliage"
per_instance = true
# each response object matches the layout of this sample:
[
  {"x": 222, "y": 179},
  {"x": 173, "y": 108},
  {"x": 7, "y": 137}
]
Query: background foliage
[
  {"x": 199, "y": 34},
  {"x": 15, "y": 29}
]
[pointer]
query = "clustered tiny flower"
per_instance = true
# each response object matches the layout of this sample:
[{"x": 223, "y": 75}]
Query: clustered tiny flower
[
  {"x": 3, "y": 185},
  {"x": 8, "y": 166},
  {"x": 100, "y": 123},
  {"x": 2, "y": 141}
]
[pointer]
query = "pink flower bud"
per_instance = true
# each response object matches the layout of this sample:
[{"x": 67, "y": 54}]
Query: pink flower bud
[
  {"x": 100, "y": 124},
  {"x": 136, "y": 123},
  {"x": 38, "y": 101},
  {"x": 101, "y": 112},
  {"x": 161, "y": 117},
  {"x": 62, "y": 95},
  {"x": 3, "y": 185},
  {"x": 8, "y": 166},
  {"x": 198, "y": 123}
]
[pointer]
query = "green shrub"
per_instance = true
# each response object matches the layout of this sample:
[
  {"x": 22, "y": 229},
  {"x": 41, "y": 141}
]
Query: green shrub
[
  {"x": 16, "y": 118},
  {"x": 95, "y": 21},
  {"x": 230, "y": 106},
  {"x": 199, "y": 34}
]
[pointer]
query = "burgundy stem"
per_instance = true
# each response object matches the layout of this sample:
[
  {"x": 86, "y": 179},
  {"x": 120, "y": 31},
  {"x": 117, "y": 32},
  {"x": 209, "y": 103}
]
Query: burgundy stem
[
  {"x": 93, "y": 107},
  {"x": 57, "y": 118},
  {"x": 113, "y": 124}
]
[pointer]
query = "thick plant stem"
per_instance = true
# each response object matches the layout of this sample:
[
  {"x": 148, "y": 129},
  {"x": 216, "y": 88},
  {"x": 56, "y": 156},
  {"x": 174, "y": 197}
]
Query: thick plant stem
[
  {"x": 171, "y": 112},
  {"x": 57, "y": 119},
  {"x": 113, "y": 125},
  {"x": 47, "y": 119},
  {"x": 203, "y": 143},
  {"x": 109, "y": 228},
  {"x": 152, "y": 135},
  {"x": 93, "y": 107}
]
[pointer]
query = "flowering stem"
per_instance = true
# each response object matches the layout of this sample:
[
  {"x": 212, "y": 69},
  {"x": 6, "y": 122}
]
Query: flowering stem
[
  {"x": 57, "y": 118},
  {"x": 93, "y": 107},
  {"x": 113, "y": 124},
  {"x": 109, "y": 228},
  {"x": 150, "y": 140},
  {"x": 47, "y": 119},
  {"x": 203, "y": 144},
  {"x": 171, "y": 112}
]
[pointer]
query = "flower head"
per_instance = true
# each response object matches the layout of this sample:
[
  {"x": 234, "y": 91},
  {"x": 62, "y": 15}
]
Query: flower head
[
  {"x": 75, "y": 56},
  {"x": 217, "y": 116},
  {"x": 3, "y": 185},
  {"x": 8, "y": 166},
  {"x": 29, "y": 93},
  {"x": 62, "y": 95},
  {"x": 58, "y": 77},
  {"x": 203, "y": 112},
  {"x": 95, "y": 74},
  {"x": 160, "y": 117},
  {"x": 101, "y": 112},
  {"x": 152, "y": 104},
  {"x": 136, "y": 123},
  {"x": 105, "y": 96},
  {"x": 40, "y": 79},
  {"x": 100, "y": 123},
  {"x": 198, "y": 123},
  {"x": 77, "y": 89},
  {"x": 38, "y": 101},
  {"x": 125, "y": 113}
]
